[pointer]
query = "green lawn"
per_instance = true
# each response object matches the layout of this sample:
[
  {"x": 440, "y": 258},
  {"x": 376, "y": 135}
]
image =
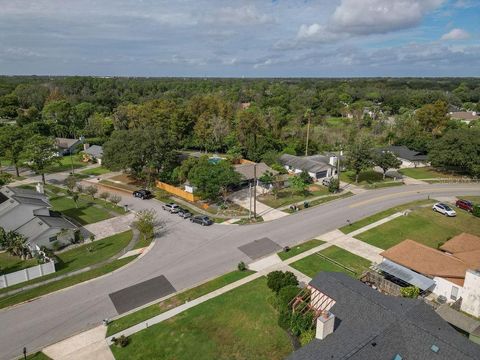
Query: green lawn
[
  {"x": 313, "y": 264},
  {"x": 188, "y": 295},
  {"x": 83, "y": 256},
  {"x": 37, "y": 356},
  {"x": 367, "y": 177},
  {"x": 422, "y": 225},
  {"x": 383, "y": 214},
  {"x": 385, "y": 184},
  {"x": 96, "y": 171},
  {"x": 474, "y": 199},
  {"x": 425, "y": 173},
  {"x": 61, "y": 284},
  {"x": 337, "y": 121},
  {"x": 295, "y": 250},
  {"x": 321, "y": 201},
  {"x": 65, "y": 163},
  {"x": 285, "y": 196},
  {"x": 85, "y": 213},
  {"x": 240, "y": 324},
  {"x": 10, "y": 263}
]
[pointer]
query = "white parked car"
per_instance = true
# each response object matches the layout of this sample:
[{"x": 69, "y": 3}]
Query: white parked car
[{"x": 444, "y": 209}]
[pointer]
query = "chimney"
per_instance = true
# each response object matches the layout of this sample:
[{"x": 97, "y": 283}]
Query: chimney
[
  {"x": 85, "y": 146},
  {"x": 40, "y": 189},
  {"x": 333, "y": 160},
  {"x": 325, "y": 325}
]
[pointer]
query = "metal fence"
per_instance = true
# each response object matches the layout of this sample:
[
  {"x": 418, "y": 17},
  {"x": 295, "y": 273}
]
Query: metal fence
[{"x": 30, "y": 273}]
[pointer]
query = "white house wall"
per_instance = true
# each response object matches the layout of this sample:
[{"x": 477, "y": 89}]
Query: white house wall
[
  {"x": 471, "y": 293},
  {"x": 444, "y": 287}
]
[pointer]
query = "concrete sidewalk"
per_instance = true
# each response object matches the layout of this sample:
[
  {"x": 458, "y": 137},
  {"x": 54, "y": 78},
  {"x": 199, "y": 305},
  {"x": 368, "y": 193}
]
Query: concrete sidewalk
[
  {"x": 87, "y": 345},
  {"x": 109, "y": 227},
  {"x": 357, "y": 247},
  {"x": 242, "y": 198}
]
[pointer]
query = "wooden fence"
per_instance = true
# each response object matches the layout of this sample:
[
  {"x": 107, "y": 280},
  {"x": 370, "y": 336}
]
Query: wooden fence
[{"x": 177, "y": 191}]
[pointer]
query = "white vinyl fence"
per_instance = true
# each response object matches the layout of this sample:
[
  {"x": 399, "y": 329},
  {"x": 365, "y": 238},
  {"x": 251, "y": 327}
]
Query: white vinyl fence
[{"x": 26, "y": 274}]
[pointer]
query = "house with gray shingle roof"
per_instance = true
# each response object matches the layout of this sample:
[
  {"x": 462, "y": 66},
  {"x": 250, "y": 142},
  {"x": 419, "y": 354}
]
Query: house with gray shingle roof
[
  {"x": 318, "y": 167},
  {"x": 28, "y": 213},
  {"x": 360, "y": 323},
  {"x": 94, "y": 153},
  {"x": 66, "y": 146}
]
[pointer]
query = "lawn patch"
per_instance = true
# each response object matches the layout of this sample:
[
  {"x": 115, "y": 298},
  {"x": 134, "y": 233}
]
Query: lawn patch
[
  {"x": 422, "y": 225},
  {"x": 66, "y": 162},
  {"x": 188, "y": 295},
  {"x": 83, "y": 256},
  {"x": 285, "y": 196},
  {"x": 367, "y": 177},
  {"x": 343, "y": 261},
  {"x": 383, "y": 214},
  {"x": 96, "y": 171},
  {"x": 85, "y": 213},
  {"x": 298, "y": 249},
  {"x": 10, "y": 263},
  {"x": 240, "y": 324},
  {"x": 426, "y": 173}
]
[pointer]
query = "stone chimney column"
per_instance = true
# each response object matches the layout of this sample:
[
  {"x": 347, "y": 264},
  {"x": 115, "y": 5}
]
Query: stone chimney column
[{"x": 325, "y": 325}]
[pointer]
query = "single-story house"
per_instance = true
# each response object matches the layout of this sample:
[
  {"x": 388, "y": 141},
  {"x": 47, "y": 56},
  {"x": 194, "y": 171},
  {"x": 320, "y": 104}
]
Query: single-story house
[
  {"x": 93, "y": 153},
  {"x": 317, "y": 166},
  {"x": 464, "y": 116},
  {"x": 66, "y": 146},
  {"x": 28, "y": 213},
  {"x": 410, "y": 158},
  {"x": 451, "y": 272},
  {"x": 357, "y": 322},
  {"x": 247, "y": 171}
]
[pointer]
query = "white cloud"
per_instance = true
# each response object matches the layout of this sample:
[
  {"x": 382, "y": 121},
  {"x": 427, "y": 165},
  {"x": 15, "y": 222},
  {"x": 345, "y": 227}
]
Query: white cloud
[
  {"x": 244, "y": 15},
  {"x": 318, "y": 33},
  {"x": 456, "y": 34},
  {"x": 380, "y": 16}
]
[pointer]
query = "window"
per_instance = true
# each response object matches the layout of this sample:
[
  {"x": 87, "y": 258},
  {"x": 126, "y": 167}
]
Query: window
[
  {"x": 454, "y": 294},
  {"x": 52, "y": 239}
]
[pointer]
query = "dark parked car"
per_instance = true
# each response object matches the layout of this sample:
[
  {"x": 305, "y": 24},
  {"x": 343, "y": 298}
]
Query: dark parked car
[
  {"x": 202, "y": 220},
  {"x": 172, "y": 207},
  {"x": 184, "y": 213},
  {"x": 464, "y": 204},
  {"x": 143, "y": 194}
]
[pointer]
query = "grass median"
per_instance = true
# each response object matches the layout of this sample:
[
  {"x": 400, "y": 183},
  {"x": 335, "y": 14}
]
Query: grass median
[{"x": 300, "y": 248}]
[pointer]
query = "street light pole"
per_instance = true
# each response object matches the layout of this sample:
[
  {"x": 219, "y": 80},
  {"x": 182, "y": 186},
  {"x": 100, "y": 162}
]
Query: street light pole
[{"x": 255, "y": 191}]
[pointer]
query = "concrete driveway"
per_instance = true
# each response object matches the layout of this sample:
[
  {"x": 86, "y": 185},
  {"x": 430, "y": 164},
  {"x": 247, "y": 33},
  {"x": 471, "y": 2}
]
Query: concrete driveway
[
  {"x": 242, "y": 198},
  {"x": 187, "y": 254}
]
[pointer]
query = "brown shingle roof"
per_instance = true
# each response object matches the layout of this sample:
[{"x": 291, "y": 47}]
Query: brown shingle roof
[
  {"x": 426, "y": 260},
  {"x": 464, "y": 115},
  {"x": 461, "y": 243}
]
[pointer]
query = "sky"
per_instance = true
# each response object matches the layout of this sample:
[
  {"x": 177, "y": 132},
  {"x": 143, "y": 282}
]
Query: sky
[{"x": 222, "y": 38}]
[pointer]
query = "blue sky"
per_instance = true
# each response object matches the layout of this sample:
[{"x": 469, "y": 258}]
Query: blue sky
[{"x": 336, "y": 38}]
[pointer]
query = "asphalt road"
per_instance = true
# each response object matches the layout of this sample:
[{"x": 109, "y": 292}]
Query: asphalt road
[{"x": 187, "y": 254}]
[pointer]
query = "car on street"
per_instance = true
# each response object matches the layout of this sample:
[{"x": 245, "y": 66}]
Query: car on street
[
  {"x": 184, "y": 213},
  {"x": 202, "y": 220},
  {"x": 464, "y": 205},
  {"x": 143, "y": 194},
  {"x": 444, "y": 209},
  {"x": 171, "y": 207}
]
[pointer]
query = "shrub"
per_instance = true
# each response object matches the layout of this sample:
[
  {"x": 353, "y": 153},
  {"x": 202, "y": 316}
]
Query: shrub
[
  {"x": 277, "y": 280},
  {"x": 410, "y": 292},
  {"x": 91, "y": 190},
  {"x": 284, "y": 318},
  {"x": 104, "y": 195},
  {"x": 334, "y": 185},
  {"x": 115, "y": 199},
  {"x": 306, "y": 337},
  {"x": 241, "y": 266},
  {"x": 286, "y": 295},
  {"x": 56, "y": 245},
  {"x": 476, "y": 210},
  {"x": 122, "y": 341},
  {"x": 300, "y": 323}
]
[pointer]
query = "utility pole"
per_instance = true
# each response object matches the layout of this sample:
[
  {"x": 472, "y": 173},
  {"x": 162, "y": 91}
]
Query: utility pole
[
  {"x": 308, "y": 113},
  {"x": 338, "y": 167},
  {"x": 250, "y": 200},
  {"x": 255, "y": 191}
]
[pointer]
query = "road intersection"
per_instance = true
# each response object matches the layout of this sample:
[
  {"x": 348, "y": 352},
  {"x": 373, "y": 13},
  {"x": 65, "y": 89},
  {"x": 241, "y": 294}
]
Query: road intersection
[{"x": 187, "y": 254}]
